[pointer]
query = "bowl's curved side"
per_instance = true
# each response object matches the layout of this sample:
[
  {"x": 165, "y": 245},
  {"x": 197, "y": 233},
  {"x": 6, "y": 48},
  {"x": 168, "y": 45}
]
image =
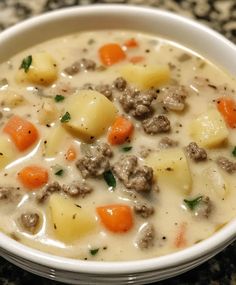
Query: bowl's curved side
[
  {"x": 191, "y": 34},
  {"x": 98, "y": 278},
  {"x": 71, "y": 20}
]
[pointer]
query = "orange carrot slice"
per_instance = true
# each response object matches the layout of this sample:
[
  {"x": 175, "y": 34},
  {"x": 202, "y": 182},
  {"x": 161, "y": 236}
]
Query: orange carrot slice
[
  {"x": 180, "y": 240},
  {"x": 116, "y": 218},
  {"x": 120, "y": 131},
  {"x": 131, "y": 43},
  {"x": 111, "y": 54},
  {"x": 22, "y": 132},
  {"x": 33, "y": 176},
  {"x": 227, "y": 108}
]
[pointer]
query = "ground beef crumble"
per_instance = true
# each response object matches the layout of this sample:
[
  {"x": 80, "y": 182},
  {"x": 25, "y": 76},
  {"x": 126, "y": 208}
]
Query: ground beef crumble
[
  {"x": 74, "y": 189},
  {"x": 174, "y": 97},
  {"x": 47, "y": 191},
  {"x": 77, "y": 189},
  {"x": 96, "y": 162},
  {"x": 146, "y": 236},
  {"x": 143, "y": 209},
  {"x": 29, "y": 221},
  {"x": 137, "y": 103},
  {"x": 80, "y": 65},
  {"x": 204, "y": 208},
  {"x": 226, "y": 164},
  {"x": 156, "y": 124},
  {"x": 10, "y": 193},
  {"x": 166, "y": 142},
  {"x": 195, "y": 152},
  {"x": 120, "y": 84},
  {"x": 132, "y": 175},
  {"x": 104, "y": 89}
]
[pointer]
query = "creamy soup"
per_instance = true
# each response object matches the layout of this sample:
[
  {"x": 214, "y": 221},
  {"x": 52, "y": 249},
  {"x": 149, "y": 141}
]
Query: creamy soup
[{"x": 115, "y": 145}]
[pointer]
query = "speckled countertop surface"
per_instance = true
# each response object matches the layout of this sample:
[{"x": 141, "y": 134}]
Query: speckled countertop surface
[{"x": 221, "y": 16}]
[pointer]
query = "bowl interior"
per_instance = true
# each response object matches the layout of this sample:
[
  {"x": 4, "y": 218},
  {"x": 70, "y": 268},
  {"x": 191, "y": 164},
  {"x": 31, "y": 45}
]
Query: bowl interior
[{"x": 190, "y": 34}]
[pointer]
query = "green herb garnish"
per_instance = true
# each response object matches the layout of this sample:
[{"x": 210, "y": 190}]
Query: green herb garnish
[
  {"x": 192, "y": 204},
  {"x": 94, "y": 251},
  {"x": 234, "y": 151},
  {"x": 66, "y": 117},
  {"x": 59, "y": 98},
  {"x": 26, "y": 62},
  {"x": 59, "y": 172},
  {"x": 126, "y": 148},
  {"x": 109, "y": 178}
]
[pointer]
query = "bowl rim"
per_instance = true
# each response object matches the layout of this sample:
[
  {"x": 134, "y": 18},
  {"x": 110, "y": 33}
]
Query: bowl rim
[{"x": 208, "y": 246}]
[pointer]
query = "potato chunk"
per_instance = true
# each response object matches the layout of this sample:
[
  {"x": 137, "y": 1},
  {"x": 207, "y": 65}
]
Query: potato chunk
[
  {"x": 171, "y": 168},
  {"x": 91, "y": 114},
  {"x": 69, "y": 221},
  {"x": 209, "y": 129},
  {"x": 7, "y": 152},
  {"x": 54, "y": 141},
  {"x": 145, "y": 77},
  {"x": 215, "y": 181},
  {"x": 11, "y": 99},
  {"x": 48, "y": 112},
  {"x": 42, "y": 71}
]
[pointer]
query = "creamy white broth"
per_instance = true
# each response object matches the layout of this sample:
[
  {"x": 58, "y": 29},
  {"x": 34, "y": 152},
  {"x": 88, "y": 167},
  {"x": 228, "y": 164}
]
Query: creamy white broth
[{"x": 170, "y": 210}]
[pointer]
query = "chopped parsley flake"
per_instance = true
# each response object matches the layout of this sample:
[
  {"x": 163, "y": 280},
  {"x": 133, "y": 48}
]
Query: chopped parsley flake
[
  {"x": 94, "y": 251},
  {"x": 234, "y": 151},
  {"x": 126, "y": 148},
  {"x": 59, "y": 98},
  {"x": 109, "y": 178},
  {"x": 66, "y": 117},
  {"x": 26, "y": 62},
  {"x": 59, "y": 172},
  {"x": 192, "y": 204}
]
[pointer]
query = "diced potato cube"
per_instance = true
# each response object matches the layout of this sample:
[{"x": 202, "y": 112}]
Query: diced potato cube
[
  {"x": 48, "y": 112},
  {"x": 145, "y": 77},
  {"x": 91, "y": 114},
  {"x": 70, "y": 222},
  {"x": 171, "y": 168},
  {"x": 55, "y": 141},
  {"x": 7, "y": 152},
  {"x": 215, "y": 181},
  {"x": 11, "y": 99},
  {"x": 209, "y": 129},
  {"x": 42, "y": 71}
]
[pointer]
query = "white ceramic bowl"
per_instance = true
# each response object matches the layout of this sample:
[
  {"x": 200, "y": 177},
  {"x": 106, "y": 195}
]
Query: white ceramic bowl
[{"x": 203, "y": 40}]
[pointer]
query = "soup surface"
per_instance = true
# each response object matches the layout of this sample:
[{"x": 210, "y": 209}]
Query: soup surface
[{"x": 115, "y": 145}]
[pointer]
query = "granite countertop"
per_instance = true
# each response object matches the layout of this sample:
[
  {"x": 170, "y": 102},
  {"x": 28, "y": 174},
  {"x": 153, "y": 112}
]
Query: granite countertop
[{"x": 221, "y": 16}]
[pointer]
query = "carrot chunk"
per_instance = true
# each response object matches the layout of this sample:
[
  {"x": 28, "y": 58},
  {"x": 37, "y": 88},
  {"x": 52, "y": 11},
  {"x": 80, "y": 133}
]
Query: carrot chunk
[
  {"x": 131, "y": 43},
  {"x": 116, "y": 218},
  {"x": 180, "y": 240},
  {"x": 120, "y": 131},
  {"x": 227, "y": 108},
  {"x": 33, "y": 176},
  {"x": 22, "y": 132},
  {"x": 136, "y": 59},
  {"x": 71, "y": 153},
  {"x": 111, "y": 54}
]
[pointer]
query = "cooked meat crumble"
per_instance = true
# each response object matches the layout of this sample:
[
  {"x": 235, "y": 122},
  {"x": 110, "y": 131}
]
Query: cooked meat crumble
[
  {"x": 95, "y": 163},
  {"x": 195, "y": 152},
  {"x": 137, "y": 103},
  {"x": 156, "y": 124},
  {"x": 226, "y": 164},
  {"x": 146, "y": 237},
  {"x": 174, "y": 97},
  {"x": 133, "y": 175}
]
